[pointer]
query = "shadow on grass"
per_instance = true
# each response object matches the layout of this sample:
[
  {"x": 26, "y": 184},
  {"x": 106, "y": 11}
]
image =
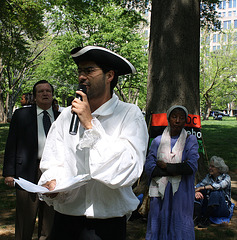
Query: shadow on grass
[
  {"x": 7, "y": 211},
  {"x": 215, "y": 232},
  {"x": 7, "y": 202},
  {"x": 7, "y": 236}
]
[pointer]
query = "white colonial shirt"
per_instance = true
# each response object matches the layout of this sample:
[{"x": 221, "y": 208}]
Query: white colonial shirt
[{"x": 113, "y": 153}]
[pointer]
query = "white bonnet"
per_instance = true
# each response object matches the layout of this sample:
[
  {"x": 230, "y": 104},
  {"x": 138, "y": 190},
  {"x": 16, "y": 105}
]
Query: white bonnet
[{"x": 174, "y": 107}]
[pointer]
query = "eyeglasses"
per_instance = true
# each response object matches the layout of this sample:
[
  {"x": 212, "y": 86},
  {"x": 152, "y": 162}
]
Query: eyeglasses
[
  {"x": 87, "y": 71},
  {"x": 212, "y": 166}
]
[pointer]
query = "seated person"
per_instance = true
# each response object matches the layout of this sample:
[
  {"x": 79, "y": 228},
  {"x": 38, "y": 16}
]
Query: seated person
[
  {"x": 213, "y": 194},
  {"x": 219, "y": 117}
]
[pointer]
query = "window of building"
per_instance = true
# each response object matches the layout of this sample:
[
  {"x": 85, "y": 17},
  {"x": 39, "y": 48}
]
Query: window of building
[
  {"x": 146, "y": 34},
  {"x": 224, "y": 38},
  {"x": 230, "y": 3},
  {"x": 224, "y": 14},
  {"x": 234, "y": 13},
  {"x": 220, "y": 5},
  {"x": 224, "y": 4},
  {"x": 146, "y": 12},
  {"x": 227, "y": 24},
  {"x": 214, "y": 48},
  {"x": 214, "y": 38},
  {"x": 235, "y": 36},
  {"x": 219, "y": 37},
  {"x": 218, "y": 47},
  {"x": 234, "y": 3},
  {"x": 235, "y": 23},
  {"x": 229, "y": 13},
  {"x": 208, "y": 39}
]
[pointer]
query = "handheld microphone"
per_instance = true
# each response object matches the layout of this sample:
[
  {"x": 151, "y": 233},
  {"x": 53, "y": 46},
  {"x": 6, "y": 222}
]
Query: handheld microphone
[{"x": 75, "y": 118}]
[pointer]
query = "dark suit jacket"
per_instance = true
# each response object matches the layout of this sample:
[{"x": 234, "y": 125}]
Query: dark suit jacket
[{"x": 21, "y": 152}]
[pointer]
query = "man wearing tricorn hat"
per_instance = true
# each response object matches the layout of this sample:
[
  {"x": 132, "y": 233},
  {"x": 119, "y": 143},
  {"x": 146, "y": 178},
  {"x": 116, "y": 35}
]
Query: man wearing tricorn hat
[{"x": 110, "y": 146}]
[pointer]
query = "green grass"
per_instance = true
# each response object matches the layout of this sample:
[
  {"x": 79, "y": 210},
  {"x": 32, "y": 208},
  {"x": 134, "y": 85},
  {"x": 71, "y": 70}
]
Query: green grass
[
  {"x": 3, "y": 136},
  {"x": 216, "y": 233},
  {"x": 220, "y": 139}
]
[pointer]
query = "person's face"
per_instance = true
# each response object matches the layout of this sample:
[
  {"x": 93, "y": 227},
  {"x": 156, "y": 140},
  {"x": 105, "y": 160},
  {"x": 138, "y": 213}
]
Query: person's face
[
  {"x": 214, "y": 171},
  {"x": 44, "y": 96},
  {"x": 55, "y": 105},
  {"x": 177, "y": 121},
  {"x": 23, "y": 100},
  {"x": 92, "y": 76}
]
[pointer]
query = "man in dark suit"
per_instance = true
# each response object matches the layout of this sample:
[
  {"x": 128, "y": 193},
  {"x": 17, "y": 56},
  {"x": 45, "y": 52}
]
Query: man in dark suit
[{"x": 23, "y": 153}]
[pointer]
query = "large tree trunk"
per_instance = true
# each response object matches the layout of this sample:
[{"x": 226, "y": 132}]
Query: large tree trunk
[{"x": 173, "y": 76}]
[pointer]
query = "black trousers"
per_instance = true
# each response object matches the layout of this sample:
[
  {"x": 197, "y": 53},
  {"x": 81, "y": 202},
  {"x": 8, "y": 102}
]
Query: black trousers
[{"x": 82, "y": 228}]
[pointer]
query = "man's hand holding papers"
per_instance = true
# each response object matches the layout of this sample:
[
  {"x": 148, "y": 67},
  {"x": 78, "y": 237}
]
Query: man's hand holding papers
[{"x": 52, "y": 187}]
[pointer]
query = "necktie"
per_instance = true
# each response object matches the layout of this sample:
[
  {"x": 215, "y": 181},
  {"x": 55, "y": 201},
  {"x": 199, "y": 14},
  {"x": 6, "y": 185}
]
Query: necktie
[{"x": 46, "y": 122}]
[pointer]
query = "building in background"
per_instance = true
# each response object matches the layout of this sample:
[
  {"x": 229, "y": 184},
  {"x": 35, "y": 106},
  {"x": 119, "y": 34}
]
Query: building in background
[{"x": 227, "y": 15}]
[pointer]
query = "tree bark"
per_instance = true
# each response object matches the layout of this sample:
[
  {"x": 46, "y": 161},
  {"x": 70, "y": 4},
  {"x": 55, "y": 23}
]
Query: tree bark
[{"x": 173, "y": 72}]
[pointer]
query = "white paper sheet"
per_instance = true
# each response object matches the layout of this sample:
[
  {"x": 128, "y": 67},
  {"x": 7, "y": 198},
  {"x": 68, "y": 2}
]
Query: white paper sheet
[{"x": 67, "y": 185}]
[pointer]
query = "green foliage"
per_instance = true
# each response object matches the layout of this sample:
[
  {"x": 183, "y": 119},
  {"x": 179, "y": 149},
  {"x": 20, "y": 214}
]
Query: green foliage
[
  {"x": 109, "y": 26},
  {"x": 68, "y": 23},
  {"x": 218, "y": 73},
  {"x": 208, "y": 15},
  {"x": 19, "y": 20}
]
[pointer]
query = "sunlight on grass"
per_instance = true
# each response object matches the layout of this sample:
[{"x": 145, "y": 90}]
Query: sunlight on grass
[{"x": 220, "y": 138}]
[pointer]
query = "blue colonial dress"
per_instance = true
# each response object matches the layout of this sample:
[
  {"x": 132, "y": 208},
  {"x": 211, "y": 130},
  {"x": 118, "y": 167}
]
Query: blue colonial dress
[{"x": 171, "y": 218}]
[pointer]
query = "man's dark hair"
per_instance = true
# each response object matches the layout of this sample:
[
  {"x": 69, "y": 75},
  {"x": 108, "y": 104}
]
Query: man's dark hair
[{"x": 41, "y": 82}]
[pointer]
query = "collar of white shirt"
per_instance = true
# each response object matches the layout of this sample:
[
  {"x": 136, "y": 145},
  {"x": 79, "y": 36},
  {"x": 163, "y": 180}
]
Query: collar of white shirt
[
  {"x": 50, "y": 112},
  {"x": 108, "y": 107}
]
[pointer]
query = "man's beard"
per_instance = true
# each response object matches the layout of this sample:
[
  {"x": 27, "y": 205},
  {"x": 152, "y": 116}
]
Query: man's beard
[{"x": 96, "y": 90}]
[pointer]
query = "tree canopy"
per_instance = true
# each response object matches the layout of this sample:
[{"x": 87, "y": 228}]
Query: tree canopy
[
  {"x": 70, "y": 24},
  {"x": 36, "y": 38},
  {"x": 115, "y": 28},
  {"x": 21, "y": 22}
]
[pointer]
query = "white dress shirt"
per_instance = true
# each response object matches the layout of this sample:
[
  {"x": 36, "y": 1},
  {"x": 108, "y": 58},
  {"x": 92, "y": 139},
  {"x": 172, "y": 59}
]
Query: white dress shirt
[
  {"x": 112, "y": 152},
  {"x": 41, "y": 133}
]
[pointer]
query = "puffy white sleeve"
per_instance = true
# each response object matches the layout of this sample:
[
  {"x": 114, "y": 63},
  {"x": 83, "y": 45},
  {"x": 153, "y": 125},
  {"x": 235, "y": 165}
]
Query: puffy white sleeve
[{"x": 117, "y": 159}]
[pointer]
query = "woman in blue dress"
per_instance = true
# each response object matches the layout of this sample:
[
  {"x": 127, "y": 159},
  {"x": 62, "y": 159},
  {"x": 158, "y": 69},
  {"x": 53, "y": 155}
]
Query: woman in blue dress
[{"x": 171, "y": 165}]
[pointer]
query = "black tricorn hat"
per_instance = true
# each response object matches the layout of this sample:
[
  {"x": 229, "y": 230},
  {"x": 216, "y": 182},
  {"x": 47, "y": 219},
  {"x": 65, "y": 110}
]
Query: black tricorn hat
[{"x": 103, "y": 56}]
